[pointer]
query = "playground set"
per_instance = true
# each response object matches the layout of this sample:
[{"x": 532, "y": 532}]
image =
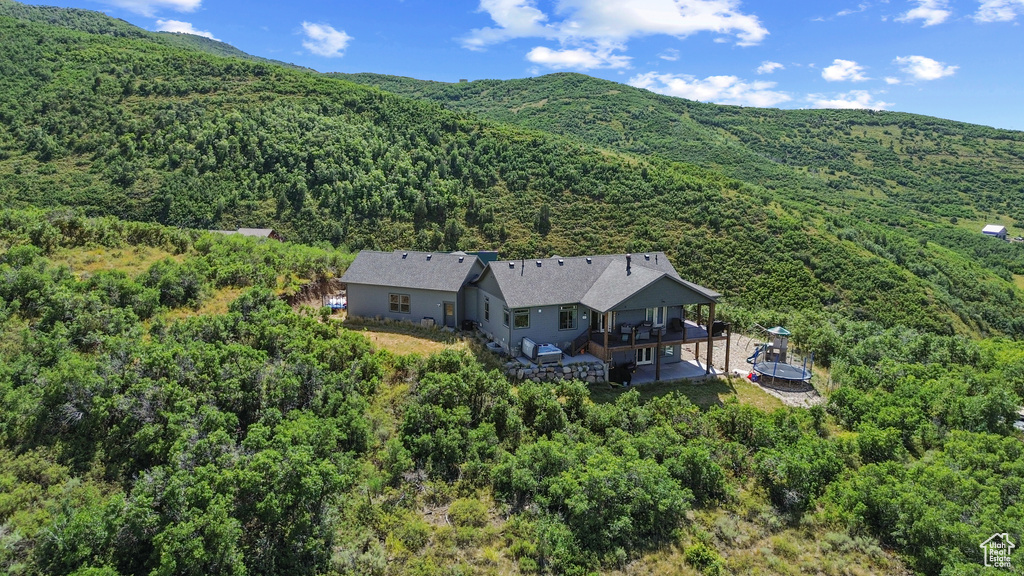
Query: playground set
[{"x": 773, "y": 365}]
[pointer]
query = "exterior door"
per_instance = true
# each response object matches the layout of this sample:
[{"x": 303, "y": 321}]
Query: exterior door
[
  {"x": 449, "y": 314},
  {"x": 645, "y": 356},
  {"x": 597, "y": 321}
]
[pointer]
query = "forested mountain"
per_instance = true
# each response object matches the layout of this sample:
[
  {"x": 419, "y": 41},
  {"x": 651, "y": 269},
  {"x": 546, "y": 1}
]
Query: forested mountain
[
  {"x": 927, "y": 165},
  {"x": 116, "y": 123}
]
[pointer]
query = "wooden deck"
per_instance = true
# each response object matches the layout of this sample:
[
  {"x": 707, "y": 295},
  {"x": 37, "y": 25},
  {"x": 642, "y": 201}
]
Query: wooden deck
[{"x": 691, "y": 333}]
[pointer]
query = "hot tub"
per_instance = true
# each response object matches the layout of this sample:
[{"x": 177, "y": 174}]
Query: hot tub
[{"x": 548, "y": 353}]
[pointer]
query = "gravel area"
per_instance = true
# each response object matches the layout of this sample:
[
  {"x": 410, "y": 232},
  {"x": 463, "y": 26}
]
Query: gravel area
[{"x": 742, "y": 347}]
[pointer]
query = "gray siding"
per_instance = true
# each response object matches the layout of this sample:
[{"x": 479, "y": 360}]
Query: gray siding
[
  {"x": 544, "y": 327},
  {"x": 623, "y": 357},
  {"x": 660, "y": 293},
  {"x": 373, "y": 301},
  {"x": 493, "y": 328},
  {"x": 490, "y": 285}
]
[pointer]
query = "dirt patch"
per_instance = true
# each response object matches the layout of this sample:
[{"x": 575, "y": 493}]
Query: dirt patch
[
  {"x": 403, "y": 344},
  {"x": 312, "y": 294},
  {"x": 742, "y": 347}
]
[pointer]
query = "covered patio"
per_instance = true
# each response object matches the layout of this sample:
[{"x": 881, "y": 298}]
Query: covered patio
[{"x": 685, "y": 370}]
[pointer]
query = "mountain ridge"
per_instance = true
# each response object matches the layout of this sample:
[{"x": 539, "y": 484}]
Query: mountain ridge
[{"x": 143, "y": 130}]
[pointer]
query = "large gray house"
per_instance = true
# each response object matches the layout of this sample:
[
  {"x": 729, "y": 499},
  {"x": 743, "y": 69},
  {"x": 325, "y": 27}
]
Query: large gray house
[
  {"x": 419, "y": 287},
  {"x": 622, "y": 308}
]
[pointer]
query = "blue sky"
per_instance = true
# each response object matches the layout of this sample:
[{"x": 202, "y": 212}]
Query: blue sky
[{"x": 956, "y": 59}]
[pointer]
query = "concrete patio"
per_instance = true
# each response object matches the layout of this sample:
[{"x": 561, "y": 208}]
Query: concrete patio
[{"x": 688, "y": 370}]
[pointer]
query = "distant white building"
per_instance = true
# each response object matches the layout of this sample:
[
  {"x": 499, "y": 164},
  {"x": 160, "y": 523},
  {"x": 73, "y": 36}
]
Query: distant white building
[{"x": 995, "y": 230}]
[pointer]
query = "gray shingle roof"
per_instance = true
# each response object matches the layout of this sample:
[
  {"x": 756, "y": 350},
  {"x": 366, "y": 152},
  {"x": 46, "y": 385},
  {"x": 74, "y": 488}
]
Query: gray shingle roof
[
  {"x": 600, "y": 282},
  {"x": 259, "y": 232},
  {"x": 406, "y": 269}
]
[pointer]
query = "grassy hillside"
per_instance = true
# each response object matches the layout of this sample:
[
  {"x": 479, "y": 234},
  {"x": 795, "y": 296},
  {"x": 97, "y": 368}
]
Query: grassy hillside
[
  {"x": 112, "y": 121},
  {"x": 145, "y": 428}
]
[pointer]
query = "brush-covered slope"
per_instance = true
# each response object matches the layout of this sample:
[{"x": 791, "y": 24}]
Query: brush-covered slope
[
  {"x": 122, "y": 124},
  {"x": 933, "y": 166},
  {"x": 164, "y": 411}
]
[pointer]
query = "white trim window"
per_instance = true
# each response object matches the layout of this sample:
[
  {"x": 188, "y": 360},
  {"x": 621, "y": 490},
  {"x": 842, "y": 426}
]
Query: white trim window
[
  {"x": 567, "y": 317},
  {"x": 657, "y": 316},
  {"x": 399, "y": 303}
]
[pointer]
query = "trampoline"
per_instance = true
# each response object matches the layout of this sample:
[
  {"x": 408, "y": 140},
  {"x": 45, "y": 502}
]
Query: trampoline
[
  {"x": 780, "y": 374},
  {"x": 780, "y": 371}
]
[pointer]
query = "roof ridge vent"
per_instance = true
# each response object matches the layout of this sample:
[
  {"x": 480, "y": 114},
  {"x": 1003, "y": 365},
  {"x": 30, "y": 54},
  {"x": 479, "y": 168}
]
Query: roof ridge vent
[
  {"x": 561, "y": 262},
  {"x": 461, "y": 258}
]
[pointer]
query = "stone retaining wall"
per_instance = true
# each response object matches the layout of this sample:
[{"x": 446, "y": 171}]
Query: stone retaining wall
[{"x": 587, "y": 372}]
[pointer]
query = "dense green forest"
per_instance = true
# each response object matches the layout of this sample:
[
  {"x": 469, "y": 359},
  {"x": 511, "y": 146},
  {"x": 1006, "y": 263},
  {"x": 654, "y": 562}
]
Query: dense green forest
[
  {"x": 164, "y": 410},
  {"x": 835, "y": 158},
  {"x": 116, "y": 122},
  {"x": 136, "y": 439}
]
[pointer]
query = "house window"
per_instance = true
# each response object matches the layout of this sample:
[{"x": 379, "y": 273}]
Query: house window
[
  {"x": 656, "y": 316},
  {"x": 668, "y": 350},
  {"x": 521, "y": 318},
  {"x": 399, "y": 303},
  {"x": 567, "y": 317},
  {"x": 504, "y": 315},
  {"x": 487, "y": 309}
]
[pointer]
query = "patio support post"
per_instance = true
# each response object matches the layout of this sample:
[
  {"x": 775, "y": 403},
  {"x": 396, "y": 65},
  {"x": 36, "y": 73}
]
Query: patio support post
[
  {"x": 728, "y": 344},
  {"x": 711, "y": 346},
  {"x": 696, "y": 345},
  {"x": 607, "y": 327},
  {"x": 657, "y": 358}
]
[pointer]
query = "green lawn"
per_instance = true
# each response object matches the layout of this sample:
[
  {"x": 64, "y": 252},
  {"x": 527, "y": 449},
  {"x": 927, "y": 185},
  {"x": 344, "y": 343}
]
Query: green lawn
[{"x": 705, "y": 393}]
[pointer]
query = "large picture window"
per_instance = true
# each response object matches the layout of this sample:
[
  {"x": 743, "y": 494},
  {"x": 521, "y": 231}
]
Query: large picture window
[
  {"x": 521, "y": 318},
  {"x": 399, "y": 303},
  {"x": 567, "y": 317}
]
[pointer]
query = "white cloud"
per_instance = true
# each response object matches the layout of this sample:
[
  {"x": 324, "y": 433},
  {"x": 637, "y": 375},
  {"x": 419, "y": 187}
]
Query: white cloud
[
  {"x": 923, "y": 68},
  {"x": 324, "y": 40},
  {"x": 931, "y": 11},
  {"x": 578, "y": 22},
  {"x": 860, "y": 8},
  {"x": 891, "y": 80},
  {"x": 853, "y": 100},
  {"x": 844, "y": 70},
  {"x": 718, "y": 89},
  {"x": 182, "y": 27},
  {"x": 578, "y": 58},
  {"x": 671, "y": 55},
  {"x": 149, "y": 7},
  {"x": 999, "y": 10},
  {"x": 767, "y": 67},
  {"x": 515, "y": 19}
]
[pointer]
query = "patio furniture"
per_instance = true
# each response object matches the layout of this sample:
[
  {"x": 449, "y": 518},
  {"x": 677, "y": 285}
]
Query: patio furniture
[{"x": 643, "y": 330}]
